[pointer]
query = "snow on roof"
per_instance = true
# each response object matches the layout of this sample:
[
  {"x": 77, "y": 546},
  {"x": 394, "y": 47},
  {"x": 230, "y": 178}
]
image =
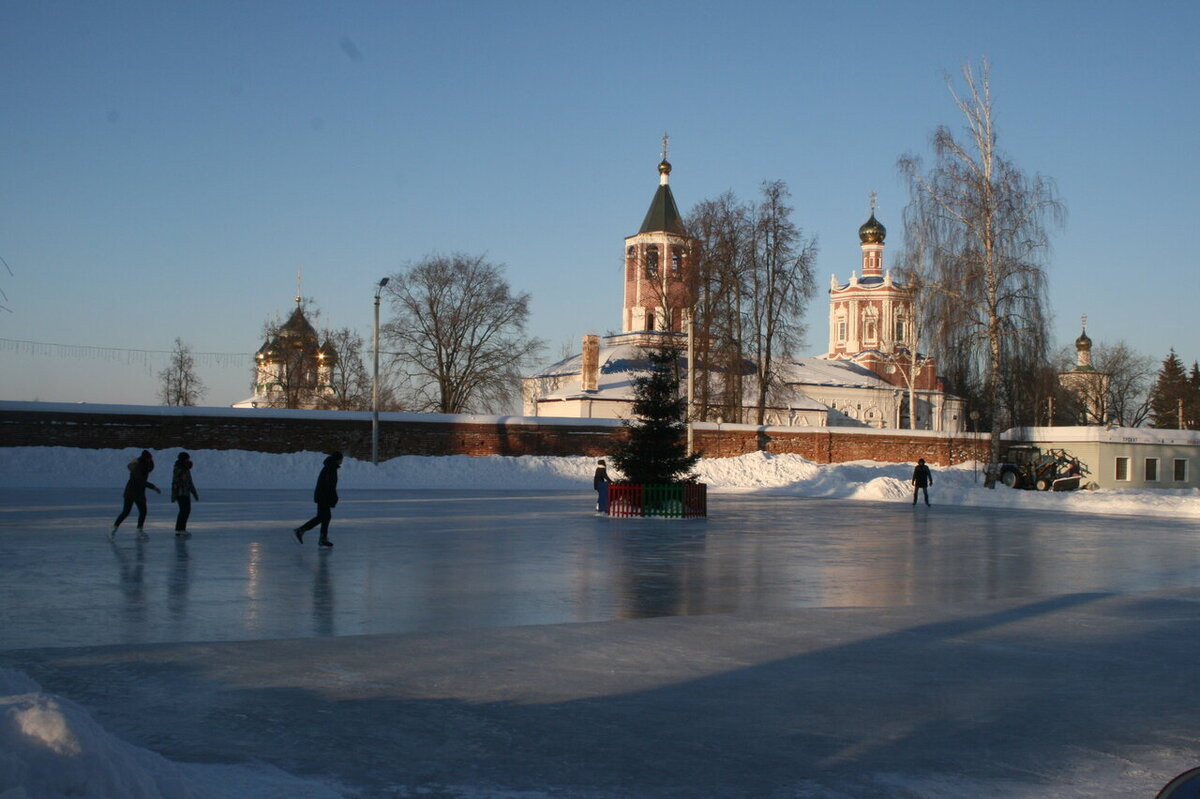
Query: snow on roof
[
  {"x": 1115, "y": 435},
  {"x": 826, "y": 372}
]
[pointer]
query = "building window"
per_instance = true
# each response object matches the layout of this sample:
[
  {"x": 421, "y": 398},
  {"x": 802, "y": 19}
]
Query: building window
[
  {"x": 676, "y": 260},
  {"x": 1180, "y": 470},
  {"x": 630, "y": 263},
  {"x": 649, "y": 320},
  {"x": 652, "y": 261},
  {"x": 1122, "y": 473},
  {"x": 842, "y": 330},
  {"x": 870, "y": 334},
  {"x": 1151, "y": 470},
  {"x": 900, "y": 330}
]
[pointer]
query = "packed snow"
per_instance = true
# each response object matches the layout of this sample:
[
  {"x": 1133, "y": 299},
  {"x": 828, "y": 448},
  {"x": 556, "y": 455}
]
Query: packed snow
[
  {"x": 50, "y": 747},
  {"x": 790, "y": 475}
]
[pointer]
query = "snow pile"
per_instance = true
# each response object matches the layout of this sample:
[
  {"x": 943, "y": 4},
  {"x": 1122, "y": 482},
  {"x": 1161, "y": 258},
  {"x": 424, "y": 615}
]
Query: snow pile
[
  {"x": 791, "y": 475},
  {"x": 50, "y": 747}
]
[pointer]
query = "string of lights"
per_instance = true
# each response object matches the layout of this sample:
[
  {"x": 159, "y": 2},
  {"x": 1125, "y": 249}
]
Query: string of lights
[{"x": 123, "y": 355}]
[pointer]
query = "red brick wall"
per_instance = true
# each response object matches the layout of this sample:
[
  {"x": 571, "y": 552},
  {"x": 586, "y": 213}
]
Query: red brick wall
[{"x": 282, "y": 431}]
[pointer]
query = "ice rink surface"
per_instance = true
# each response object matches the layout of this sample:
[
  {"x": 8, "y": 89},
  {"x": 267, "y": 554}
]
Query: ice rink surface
[{"x": 515, "y": 644}]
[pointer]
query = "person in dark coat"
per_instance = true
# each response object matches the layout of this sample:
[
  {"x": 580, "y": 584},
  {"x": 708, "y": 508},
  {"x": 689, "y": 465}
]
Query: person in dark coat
[
  {"x": 182, "y": 491},
  {"x": 135, "y": 492},
  {"x": 600, "y": 483},
  {"x": 325, "y": 495},
  {"x": 922, "y": 478}
]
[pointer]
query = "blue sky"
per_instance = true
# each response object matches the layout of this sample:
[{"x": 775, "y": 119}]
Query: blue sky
[{"x": 168, "y": 167}]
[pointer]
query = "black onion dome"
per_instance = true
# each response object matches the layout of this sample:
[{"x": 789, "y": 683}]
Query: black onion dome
[{"x": 872, "y": 231}]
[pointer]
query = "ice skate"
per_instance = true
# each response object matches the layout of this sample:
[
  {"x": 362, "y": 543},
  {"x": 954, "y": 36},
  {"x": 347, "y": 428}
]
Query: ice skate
[{"x": 299, "y": 535}]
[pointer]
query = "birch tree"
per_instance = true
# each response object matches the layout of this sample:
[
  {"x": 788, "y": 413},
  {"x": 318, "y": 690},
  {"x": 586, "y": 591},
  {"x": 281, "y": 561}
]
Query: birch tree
[
  {"x": 986, "y": 225},
  {"x": 178, "y": 383}
]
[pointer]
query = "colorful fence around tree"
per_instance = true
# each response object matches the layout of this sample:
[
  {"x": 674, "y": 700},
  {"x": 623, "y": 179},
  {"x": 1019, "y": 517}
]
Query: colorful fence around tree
[{"x": 674, "y": 500}]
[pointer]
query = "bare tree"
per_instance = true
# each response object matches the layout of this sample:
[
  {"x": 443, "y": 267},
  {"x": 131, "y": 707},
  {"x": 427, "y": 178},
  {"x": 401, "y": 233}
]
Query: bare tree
[
  {"x": 349, "y": 381},
  {"x": 985, "y": 224},
  {"x": 779, "y": 278},
  {"x": 459, "y": 334},
  {"x": 1119, "y": 393},
  {"x": 178, "y": 383},
  {"x": 720, "y": 229}
]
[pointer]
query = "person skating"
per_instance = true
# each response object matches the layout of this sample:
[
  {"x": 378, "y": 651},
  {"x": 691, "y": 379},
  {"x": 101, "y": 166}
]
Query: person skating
[
  {"x": 600, "y": 483},
  {"x": 135, "y": 492},
  {"x": 922, "y": 478},
  {"x": 325, "y": 495},
  {"x": 182, "y": 491}
]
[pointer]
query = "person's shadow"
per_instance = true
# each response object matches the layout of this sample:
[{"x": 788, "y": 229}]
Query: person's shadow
[
  {"x": 180, "y": 580},
  {"x": 323, "y": 598},
  {"x": 131, "y": 573}
]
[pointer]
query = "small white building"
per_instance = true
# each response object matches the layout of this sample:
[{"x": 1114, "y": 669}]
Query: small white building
[{"x": 1124, "y": 457}]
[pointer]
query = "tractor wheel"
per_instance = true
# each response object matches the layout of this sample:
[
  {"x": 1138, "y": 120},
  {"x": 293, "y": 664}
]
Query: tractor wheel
[
  {"x": 1009, "y": 477},
  {"x": 1043, "y": 484}
]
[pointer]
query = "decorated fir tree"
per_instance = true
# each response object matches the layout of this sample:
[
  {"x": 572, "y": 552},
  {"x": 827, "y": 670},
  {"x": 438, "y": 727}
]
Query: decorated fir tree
[{"x": 656, "y": 451}]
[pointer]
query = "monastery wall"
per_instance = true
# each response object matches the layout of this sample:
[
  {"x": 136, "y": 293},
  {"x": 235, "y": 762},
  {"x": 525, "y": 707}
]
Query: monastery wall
[{"x": 261, "y": 430}]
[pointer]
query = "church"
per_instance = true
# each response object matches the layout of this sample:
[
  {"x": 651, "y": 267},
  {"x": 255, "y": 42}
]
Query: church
[
  {"x": 292, "y": 369},
  {"x": 869, "y": 377}
]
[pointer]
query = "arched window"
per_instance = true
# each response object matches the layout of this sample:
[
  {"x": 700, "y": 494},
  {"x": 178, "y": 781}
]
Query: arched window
[
  {"x": 676, "y": 260},
  {"x": 652, "y": 260},
  {"x": 630, "y": 262}
]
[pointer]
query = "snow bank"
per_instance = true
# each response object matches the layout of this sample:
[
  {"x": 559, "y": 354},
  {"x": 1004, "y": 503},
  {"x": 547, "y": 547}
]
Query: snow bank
[
  {"x": 51, "y": 748},
  {"x": 791, "y": 475}
]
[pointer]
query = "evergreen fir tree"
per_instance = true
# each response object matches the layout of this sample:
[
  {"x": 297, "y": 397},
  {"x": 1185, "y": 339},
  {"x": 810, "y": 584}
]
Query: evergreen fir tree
[
  {"x": 656, "y": 452},
  {"x": 1171, "y": 386}
]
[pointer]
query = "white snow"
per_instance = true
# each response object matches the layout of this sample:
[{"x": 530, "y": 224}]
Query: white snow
[{"x": 50, "y": 747}]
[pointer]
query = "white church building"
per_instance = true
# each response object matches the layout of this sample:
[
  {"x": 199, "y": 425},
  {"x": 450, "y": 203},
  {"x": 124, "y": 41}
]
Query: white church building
[{"x": 869, "y": 376}]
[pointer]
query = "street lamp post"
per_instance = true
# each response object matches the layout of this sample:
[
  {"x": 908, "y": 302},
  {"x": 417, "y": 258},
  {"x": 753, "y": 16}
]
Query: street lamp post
[{"x": 375, "y": 379}]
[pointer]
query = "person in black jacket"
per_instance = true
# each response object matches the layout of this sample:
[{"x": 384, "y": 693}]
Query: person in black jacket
[
  {"x": 182, "y": 491},
  {"x": 600, "y": 483},
  {"x": 922, "y": 478},
  {"x": 325, "y": 495},
  {"x": 135, "y": 492}
]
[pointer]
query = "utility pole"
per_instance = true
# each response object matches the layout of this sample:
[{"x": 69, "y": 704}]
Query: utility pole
[
  {"x": 375, "y": 380},
  {"x": 691, "y": 377}
]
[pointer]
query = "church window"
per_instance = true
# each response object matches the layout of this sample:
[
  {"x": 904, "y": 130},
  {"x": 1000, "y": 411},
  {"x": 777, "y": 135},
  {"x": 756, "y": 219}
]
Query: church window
[
  {"x": 676, "y": 260},
  {"x": 900, "y": 330},
  {"x": 870, "y": 330},
  {"x": 652, "y": 260},
  {"x": 841, "y": 330},
  {"x": 649, "y": 320},
  {"x": 630, "y": 263}
]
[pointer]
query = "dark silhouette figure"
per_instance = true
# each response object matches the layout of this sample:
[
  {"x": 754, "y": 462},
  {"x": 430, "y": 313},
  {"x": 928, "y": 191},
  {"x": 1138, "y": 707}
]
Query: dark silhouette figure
[
  {"x": 600, "y": 483},
  {"x": 135, "y": 491},
  {"x": 922, "y": 478},
  {"x": 182, "y": 491},
  {"x": 325, "y": 495}
]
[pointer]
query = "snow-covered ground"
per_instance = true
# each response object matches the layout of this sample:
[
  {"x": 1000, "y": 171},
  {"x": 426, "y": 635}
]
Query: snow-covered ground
[
  {"x": 791, "y": 475},
  {"x": 51, "y": 747}
]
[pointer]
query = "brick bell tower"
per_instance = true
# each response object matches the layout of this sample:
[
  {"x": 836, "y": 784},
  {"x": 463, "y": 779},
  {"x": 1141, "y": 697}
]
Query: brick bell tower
[{"x": 659, "y": 264}]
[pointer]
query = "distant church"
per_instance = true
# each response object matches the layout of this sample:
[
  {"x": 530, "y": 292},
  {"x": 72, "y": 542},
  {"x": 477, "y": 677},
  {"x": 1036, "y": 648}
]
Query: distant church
[
  {"x": 863, "y": 381},
  {"x": 292, "y": 369}
]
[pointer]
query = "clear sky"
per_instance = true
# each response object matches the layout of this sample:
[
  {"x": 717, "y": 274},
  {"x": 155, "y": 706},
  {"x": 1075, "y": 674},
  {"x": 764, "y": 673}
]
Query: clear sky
[{"x": 167, "y": 168}]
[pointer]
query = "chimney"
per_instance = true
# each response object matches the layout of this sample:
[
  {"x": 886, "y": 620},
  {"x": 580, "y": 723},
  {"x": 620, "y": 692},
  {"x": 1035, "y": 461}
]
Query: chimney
[{"x": 590, "y": 374}]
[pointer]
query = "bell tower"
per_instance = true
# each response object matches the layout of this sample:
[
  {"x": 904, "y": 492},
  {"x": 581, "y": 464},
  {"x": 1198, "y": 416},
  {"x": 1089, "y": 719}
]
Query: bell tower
[{"x": 658, "y": 264}]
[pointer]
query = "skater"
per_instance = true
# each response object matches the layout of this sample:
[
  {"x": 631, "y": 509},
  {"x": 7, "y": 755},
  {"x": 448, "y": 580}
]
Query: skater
[
  {"x": 182, "y": 491},
  {"x": 135, "y": 492},
  {"x": 600, "y": 483},
  {"x": 325, "y": 495},
  {"x": 922, "y": 478}
]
